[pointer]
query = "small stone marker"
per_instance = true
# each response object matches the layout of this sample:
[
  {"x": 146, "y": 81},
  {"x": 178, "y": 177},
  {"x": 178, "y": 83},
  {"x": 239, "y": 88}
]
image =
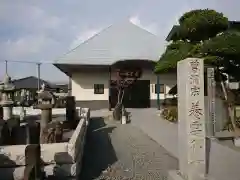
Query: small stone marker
[
  {"x": 33, "y": 162},
  {"x": 71, "y": 111},
  {"x": 211, "y": 86},
  {"x": 4, "y": 133},
  {"x": 191, "y": 116}
]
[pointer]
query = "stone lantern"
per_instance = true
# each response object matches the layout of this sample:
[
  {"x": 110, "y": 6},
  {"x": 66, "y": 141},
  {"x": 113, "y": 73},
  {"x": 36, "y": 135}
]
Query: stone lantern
[
  {"x": 7, "y": 90},
  {"x": 46, "y": 103}
]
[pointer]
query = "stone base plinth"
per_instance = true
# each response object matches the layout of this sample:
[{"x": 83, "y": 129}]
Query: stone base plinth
[
  {"x": 175, "y": 175},
  {"x": 63, "y": 171}
]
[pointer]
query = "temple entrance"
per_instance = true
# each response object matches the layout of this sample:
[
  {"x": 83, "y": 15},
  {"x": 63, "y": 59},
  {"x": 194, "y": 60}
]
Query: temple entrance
[{"x": 137, "y": 96}]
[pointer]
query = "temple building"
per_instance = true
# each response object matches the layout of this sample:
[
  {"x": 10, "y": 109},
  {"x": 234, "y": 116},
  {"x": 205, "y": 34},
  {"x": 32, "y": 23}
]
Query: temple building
[{"x": 92, "y": 68}]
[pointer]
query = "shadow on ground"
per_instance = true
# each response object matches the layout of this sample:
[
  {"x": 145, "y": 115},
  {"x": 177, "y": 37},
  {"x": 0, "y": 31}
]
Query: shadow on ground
[{"x": 99, "y": 152}]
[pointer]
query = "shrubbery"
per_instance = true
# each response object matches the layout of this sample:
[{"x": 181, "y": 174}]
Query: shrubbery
[{"x": 170, "y": 113}]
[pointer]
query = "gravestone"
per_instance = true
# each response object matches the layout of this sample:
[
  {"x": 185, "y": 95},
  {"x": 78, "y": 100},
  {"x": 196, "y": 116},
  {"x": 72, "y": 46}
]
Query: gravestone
[
  {"x": 33, "y": 162},
  {"x": 14, "y": 130},
  {"x": 191, "y": 121},
  {"x": 5, "y": 138},
  {"x": 32, "y": 132},
  {"x": 53, "y": 133},
  {"x": 71, "y": 112}
]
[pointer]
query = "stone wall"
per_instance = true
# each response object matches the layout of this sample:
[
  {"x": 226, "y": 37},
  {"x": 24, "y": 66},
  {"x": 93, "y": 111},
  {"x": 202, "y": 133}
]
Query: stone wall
[
  {"x": 61, "y": 159},
  {"x": 31, "y": 111}
]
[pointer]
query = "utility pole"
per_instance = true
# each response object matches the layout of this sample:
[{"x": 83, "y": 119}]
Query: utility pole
[
  {"x": 6, "y": 66},
  {"x": 38, "y": 74}
]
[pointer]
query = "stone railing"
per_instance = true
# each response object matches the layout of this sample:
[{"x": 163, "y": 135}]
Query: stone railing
[{"x": 60, "y": 159}]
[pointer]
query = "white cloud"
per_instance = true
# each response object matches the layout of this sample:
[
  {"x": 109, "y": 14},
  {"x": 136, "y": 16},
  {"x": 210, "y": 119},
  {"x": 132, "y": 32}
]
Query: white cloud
[
  {"x": 26, "y": 47},
  {"x": 83, "y": 37},
  {"x": 151, "y": 27},
  {"x": 27, "y": 16}
]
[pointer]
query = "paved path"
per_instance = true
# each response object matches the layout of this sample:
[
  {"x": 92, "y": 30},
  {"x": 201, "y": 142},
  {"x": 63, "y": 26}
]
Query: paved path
[
  {"x": 158, "y": 129},
  {"x": 115, "y": 151}
]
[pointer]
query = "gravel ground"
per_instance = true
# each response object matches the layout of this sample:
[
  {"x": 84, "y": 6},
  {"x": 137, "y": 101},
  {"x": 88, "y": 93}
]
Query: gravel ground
[{"x": 115, "y": 151}]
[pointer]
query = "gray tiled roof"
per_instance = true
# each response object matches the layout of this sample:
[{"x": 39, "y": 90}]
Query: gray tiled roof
[
  {"x": 122, "y": 41},
  {"x": 30, "y": 82}
]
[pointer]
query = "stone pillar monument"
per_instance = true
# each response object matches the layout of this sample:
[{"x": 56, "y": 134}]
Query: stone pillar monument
[
  {"x": 7, "y": 89},
  {"x": 191, "y": 125}
]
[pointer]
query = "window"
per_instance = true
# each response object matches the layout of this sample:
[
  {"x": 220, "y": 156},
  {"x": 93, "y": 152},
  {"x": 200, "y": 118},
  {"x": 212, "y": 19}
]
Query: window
[
  {"x": 161, "y": 88},
  {"x": 98, "y": 88}
]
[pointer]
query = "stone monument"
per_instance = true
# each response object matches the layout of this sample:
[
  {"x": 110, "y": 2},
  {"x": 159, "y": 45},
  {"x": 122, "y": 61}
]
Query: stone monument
[
  {"x": 211, "y": 94},
  {"x": 191, "y": 125},
  {"x": 7, "y": 89}
]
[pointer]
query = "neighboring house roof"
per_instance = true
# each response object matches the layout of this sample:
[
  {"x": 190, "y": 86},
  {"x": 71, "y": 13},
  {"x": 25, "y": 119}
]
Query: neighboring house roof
[
  {"x": 173, "y": 34},
  {"x": 30, "y": 82},
  {"x": 63, "y": 87},
  {"x": 123, "y": 41}
]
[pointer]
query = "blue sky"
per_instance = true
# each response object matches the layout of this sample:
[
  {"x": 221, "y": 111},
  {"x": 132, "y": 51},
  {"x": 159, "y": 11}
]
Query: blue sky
[{"x": 44, "y": 30}]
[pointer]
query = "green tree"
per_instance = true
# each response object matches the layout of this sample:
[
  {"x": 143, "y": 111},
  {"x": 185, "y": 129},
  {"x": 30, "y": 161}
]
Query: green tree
[
  {"x": 209, "y": 35},
  {"x": 205, "y": 34}
]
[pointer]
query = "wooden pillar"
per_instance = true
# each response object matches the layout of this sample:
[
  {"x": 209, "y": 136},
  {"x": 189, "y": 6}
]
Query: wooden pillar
[
  {"x": 70, "y": 86},
  {"x": 109, "y": 89},
  {"x": 158, "y": 92}
]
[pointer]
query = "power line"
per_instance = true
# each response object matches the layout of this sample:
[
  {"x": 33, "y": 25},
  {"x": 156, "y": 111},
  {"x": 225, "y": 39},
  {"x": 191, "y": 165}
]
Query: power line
[{"x": 31, "y": 62}]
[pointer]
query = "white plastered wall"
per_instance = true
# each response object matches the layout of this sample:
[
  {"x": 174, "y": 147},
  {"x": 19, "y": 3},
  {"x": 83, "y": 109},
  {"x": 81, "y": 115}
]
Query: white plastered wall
[{"x": 83, "y": 84}]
